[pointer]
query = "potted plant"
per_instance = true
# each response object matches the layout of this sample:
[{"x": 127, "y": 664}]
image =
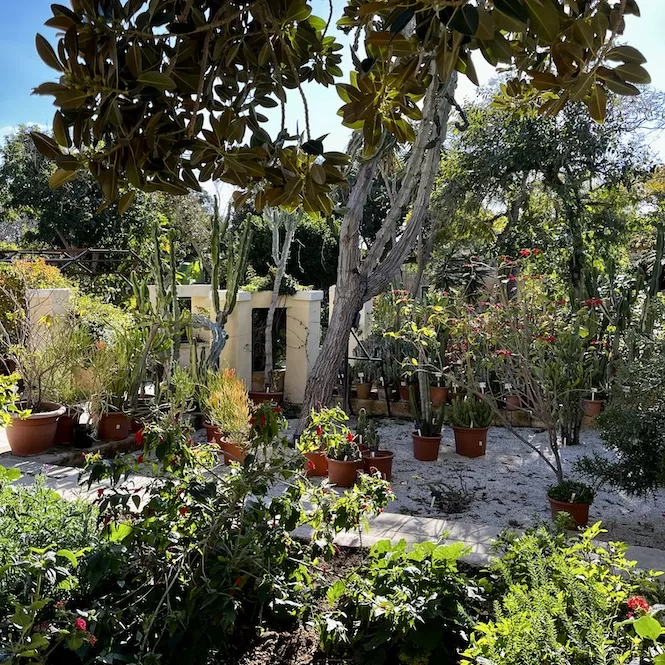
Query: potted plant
[
  {"x": 362, "y": 375},
  {"x": 427, "y": 435},
  {"x": 361, "y": 430},
  {"x": 571, "y": 497},
  {"x": 438, "y": 392},
  {"x": 344, "y": 459},
  {"x": 470, "y": 418},
  {"x": 35, "y": 356},
  {"x": 381, "y": 460},
  {"x": 228, "y": 408},
  {"x": 323, "y": 427},
  {"x": 593, "y": 406},
  {"x": 511, "y": 400}
]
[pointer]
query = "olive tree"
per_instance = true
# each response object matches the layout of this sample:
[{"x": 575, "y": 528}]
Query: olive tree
[{"x": 164, "y": 94}]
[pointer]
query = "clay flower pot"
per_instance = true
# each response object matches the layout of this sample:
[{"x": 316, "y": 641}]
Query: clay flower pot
[
  {"x": 404, "y": 393},
  {"x": 512, "y": 402},
  {"x": 593, "y": 407},
  {"x": 363, "y": 390},
  {"x": 381, "y": 460},
  {"x": 113, "y": 426},
  {"x": 438, "y": 395},
  {"x": 64, "y": 431},
  {"x": 213, "y": 433},
  {"x": 343, "y": 473},
  {"x": 260, "y": 396},
  {"x": 232, "y": 452},
  {"x": 579, "y": 512},
  {"x": 426, "y": 448},
  {"x": 470, "y": 441},
  {"x": 35, "y": 434},
  {"x": 317, "y": 464}
]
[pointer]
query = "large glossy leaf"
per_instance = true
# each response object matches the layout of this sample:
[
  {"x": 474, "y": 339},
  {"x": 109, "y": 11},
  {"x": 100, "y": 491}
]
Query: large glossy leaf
[
  {"x": 544, "y": 19},
  {"x": 633, "y": 72},
  {"x": 60, "y": 177},
  {"x": 47, "y": 54},
  {"x": 465, "y": 20},
  {"x": 157, "y": 80},
  {"x": 46, "y": 145},
  {"x": 597, "y": 104},
  {"x": 514, "y": 9}
]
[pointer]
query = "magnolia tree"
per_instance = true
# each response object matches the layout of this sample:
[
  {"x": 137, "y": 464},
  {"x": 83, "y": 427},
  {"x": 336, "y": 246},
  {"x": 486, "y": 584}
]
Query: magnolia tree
[{"x": 162, "y": 95}]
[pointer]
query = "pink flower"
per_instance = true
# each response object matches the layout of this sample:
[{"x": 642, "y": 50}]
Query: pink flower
[
  {"x": 80, "y": 624},
  {"x": 92, "y": 639},
  {"x": 592, "y": 302},
  {"x": 525, "y": 252},
  {"x": 503, "y": 352},
  {"x": 637, "y": 603}
]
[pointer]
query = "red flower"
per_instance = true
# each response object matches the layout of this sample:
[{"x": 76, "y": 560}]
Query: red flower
[
  {"x": 525, "y": 252},
  {"x": 503, "y": 352},
  {"x": 310, "y": 464},
  {"x": 107, "y": 519},
  {"x": 138, "y": 437},
  {"x": 349, "y": 437},
  {"x": 319, "y": 431},
  {"x": 549, "y": 338},
  {"x": 263, "y": 420},
  {"x": 251, "y": 420},
  {"x": 561, "y": 302},
  {"x": 100, "y": 492},
  {"x": 80, "y": 624},
  {"x": 238, "y": 581},
  {"x": 637, "y": 603},
  {"x": 139, "y": 459},
  {"x": 278, "y": 409},
  {"x": 92, "y": 639},
  {"x": 512, "y": 278},
  {"x": 592, "y": 302},
  {"x": 183, "y": 510}
]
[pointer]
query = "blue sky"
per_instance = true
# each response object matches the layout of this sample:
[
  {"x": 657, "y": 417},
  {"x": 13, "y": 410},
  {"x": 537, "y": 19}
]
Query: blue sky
[{"x": 23, "y": 69}]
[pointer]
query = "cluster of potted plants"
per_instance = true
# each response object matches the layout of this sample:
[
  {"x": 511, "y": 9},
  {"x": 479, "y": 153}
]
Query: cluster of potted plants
[
  {"x": 363, "y": 375},
  {"x": 331, "y": 449}
]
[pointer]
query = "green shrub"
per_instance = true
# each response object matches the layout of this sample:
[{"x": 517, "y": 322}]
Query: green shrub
[
  {"x": 402, "y": 602},
  {"x": 557, "y": 601}
]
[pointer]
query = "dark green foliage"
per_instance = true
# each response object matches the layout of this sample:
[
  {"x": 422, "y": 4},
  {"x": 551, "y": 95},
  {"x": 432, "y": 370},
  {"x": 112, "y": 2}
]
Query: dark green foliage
[
  {"x": 633, "y": 428},
  {"x": 407, "y": 602},
  {"x": 571, "y": 491}
]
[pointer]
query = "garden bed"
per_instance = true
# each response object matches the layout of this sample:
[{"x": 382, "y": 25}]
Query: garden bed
[{"x": 507, "y": 488}]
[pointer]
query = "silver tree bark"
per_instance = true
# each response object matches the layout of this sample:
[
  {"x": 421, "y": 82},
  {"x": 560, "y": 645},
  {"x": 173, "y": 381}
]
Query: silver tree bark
[
  {"x": 359, "y": 280},
  {"x": 280, "y": 255}
]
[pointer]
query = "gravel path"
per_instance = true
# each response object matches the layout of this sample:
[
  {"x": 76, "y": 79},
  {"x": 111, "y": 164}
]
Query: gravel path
[{"x": 507, "y": 487}]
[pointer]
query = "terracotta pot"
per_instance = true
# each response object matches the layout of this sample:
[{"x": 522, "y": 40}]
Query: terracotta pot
[
  {"x": 258, "y": 397},
  {"x": 438, "y": 395},
  {"x": 320, "y": 462},
  {"x": 34, "y": 434},
  {"x": 232, "y": 452},
  {"x": 578, "y": 511},
  {"x": 363, "y": 447},
  {"x": 593, "y": 407},
  {"x": 512, "y": 402},
  {"x": 213, "y": 433},
  {"x": 382, "y": 460},
  {"x": 426, "y": 448},
  {"x": 64, "y": 431},
  {"x": 343, "y": 474},
  {"x": 470, "y": 441},
  {"x": 404, "y": 393},
  {"x": 113, "y": 426},
  {"x": 363, "y": 390}
]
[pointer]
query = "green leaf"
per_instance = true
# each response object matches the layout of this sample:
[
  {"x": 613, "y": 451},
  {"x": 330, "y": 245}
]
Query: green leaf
[
  {"x": 659, "y": 659},
  {"x": 60, "y": 177},
  {"x": 632, "y": 72},
  {"x": 465, "y": 20},
  {"x": 626, "y": 54},
  {"x": 597, "y": 104},
  {"x": 60, "y": 130},
  {"x": 401, "y": 20},
  {"x": 544, "y": 19},
  {"x": 46, "y": 145},
  {"x": 118, "y": 532},
  {"x": 514, "y": 9},
  {"x": 69, "y": 555},
  {"x": 648, "y": 628},
  {"x": 157, "y": 80},
  {"x": 47, "y": 54}
]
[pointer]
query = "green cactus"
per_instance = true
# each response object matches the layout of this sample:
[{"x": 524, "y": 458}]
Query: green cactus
[
  {"x": 363, "y": 421},
  {"x": 431, "y": 421},
  {"x": 470, "y": 412},
  {"x": 372, "y": 438}
]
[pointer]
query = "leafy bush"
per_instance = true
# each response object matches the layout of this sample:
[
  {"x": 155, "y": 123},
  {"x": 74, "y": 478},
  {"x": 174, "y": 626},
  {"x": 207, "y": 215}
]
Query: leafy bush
[
  {"x": 633, "y": 428},
  {"x": 405, "y": 602},
  {"x": 557, "y": 601}
]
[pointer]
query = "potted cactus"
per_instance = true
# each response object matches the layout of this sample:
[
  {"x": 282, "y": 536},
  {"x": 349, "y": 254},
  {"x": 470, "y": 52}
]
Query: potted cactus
[
  {"x": 374, "y": 458},
  {"x": 470, "y": 418},
  {"x": 438, "y": 392},
  {"x": 344, "y": 459},
  {"x": 362, "y": 374},
  {"x": 429, "y": 421}
]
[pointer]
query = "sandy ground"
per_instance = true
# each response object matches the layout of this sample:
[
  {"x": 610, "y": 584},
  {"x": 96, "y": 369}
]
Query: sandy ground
[{"x": 507, "y": 487}]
